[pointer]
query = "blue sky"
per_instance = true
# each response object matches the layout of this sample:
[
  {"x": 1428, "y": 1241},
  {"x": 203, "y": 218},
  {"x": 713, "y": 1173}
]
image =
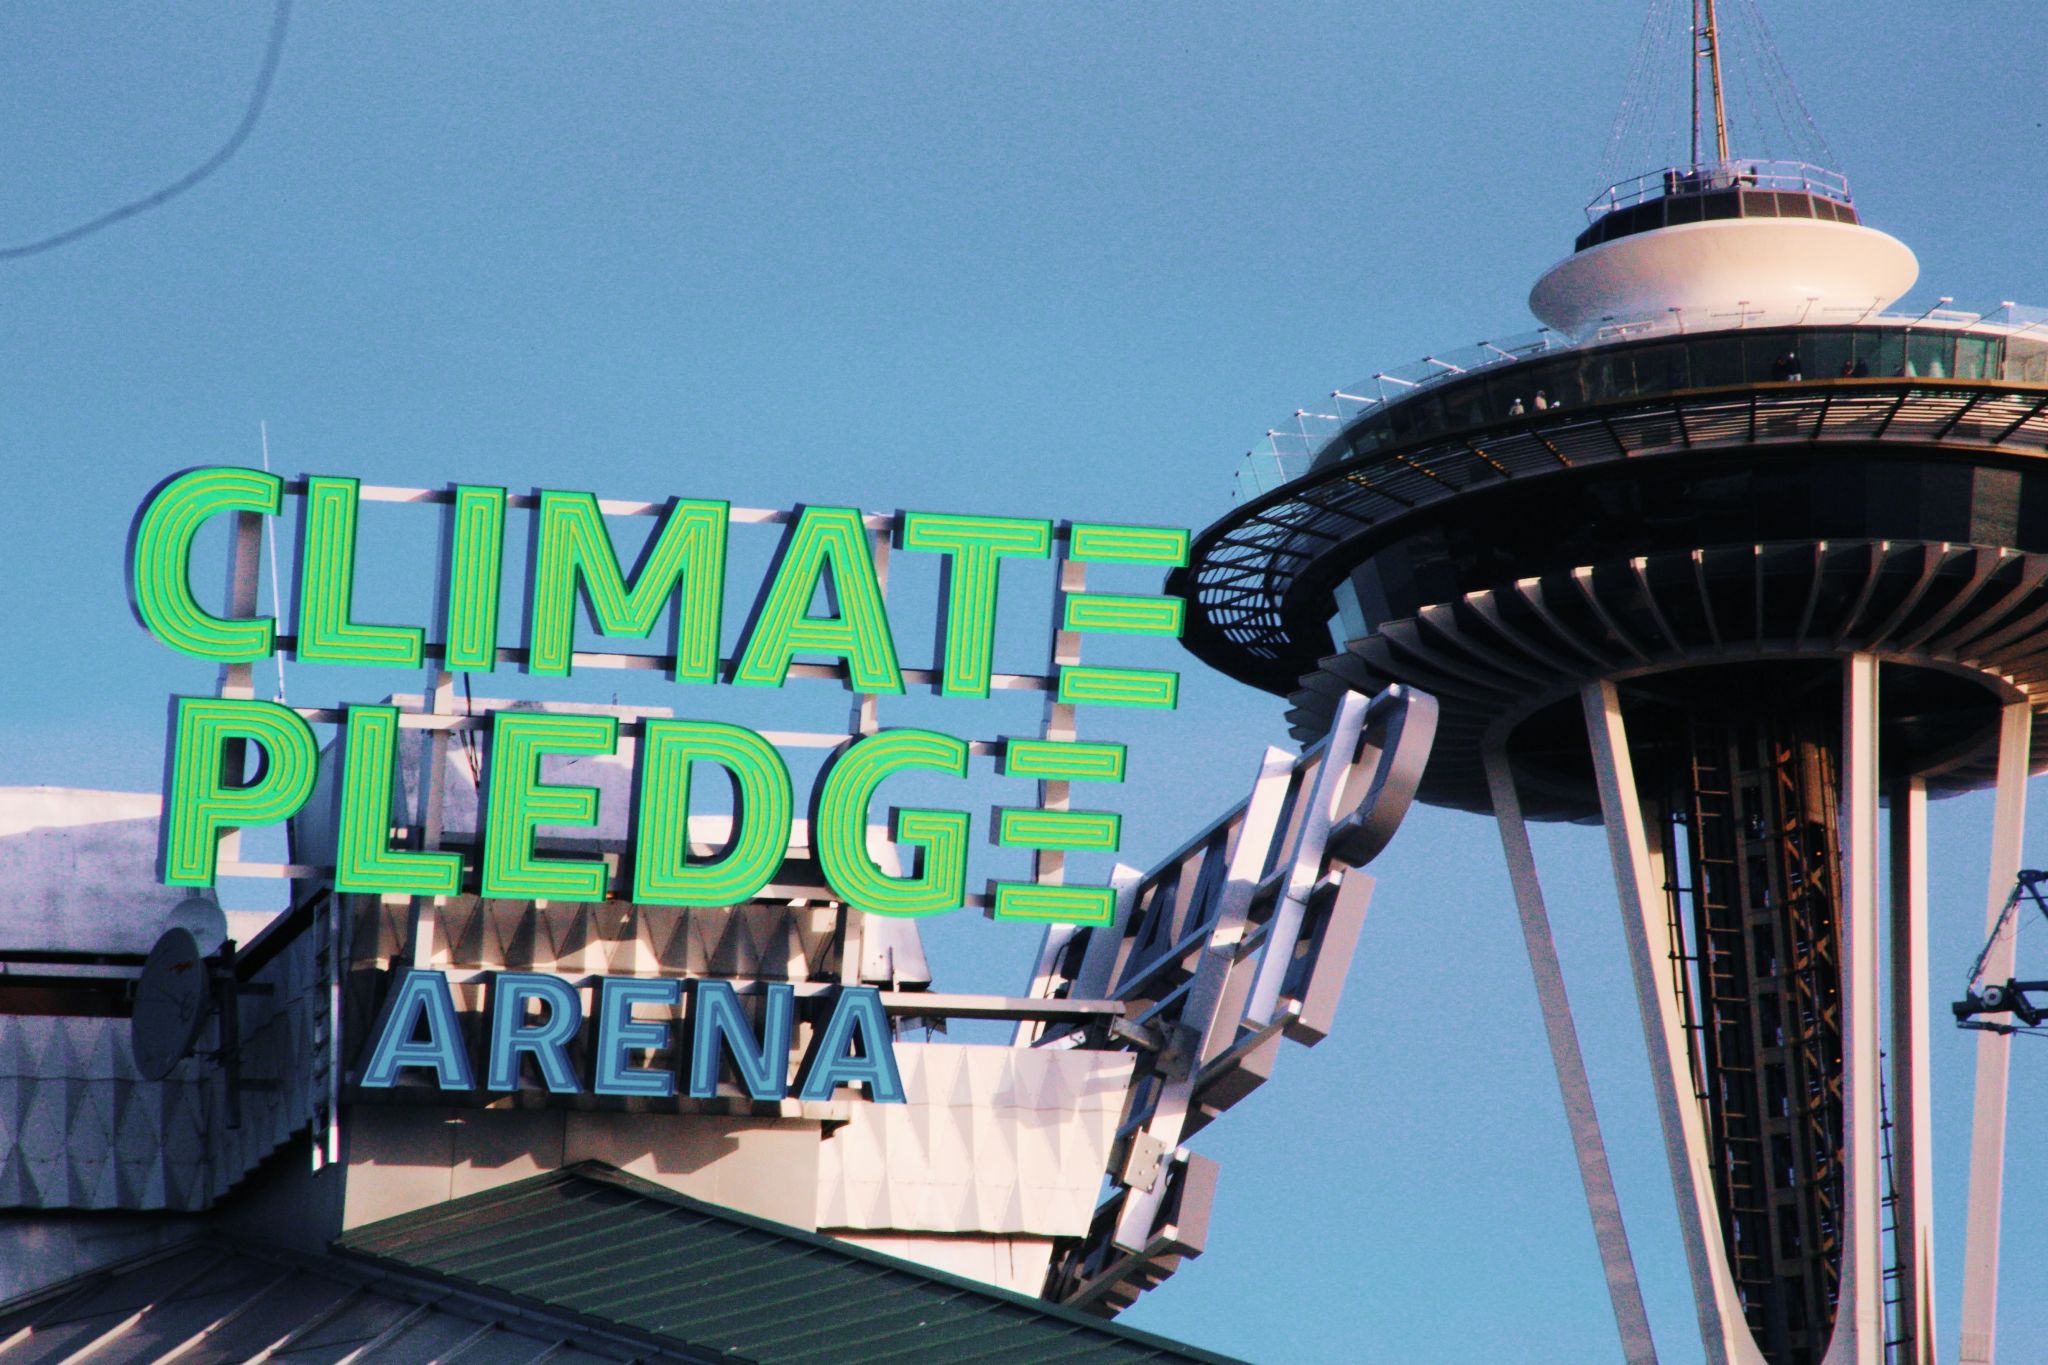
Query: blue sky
[{"x": 1054, "y": 260}]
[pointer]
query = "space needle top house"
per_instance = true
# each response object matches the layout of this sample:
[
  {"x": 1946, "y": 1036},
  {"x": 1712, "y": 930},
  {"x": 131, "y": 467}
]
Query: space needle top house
[{"x": 1727, "y": 556}]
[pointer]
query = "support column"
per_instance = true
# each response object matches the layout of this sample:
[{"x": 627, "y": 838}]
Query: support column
[
  {"x": 1987, "y": 1115},
  {"x": 1912, "y": 1093},
  {"x": 238, "y": 680},
  {"x": 1723, "y": 1329},
  {"x": 1858, "y": 1337},
  {"x": 1573, "y": 1087}
]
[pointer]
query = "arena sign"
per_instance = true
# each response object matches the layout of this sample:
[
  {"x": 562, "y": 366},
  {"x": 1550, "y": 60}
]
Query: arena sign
[
  {"x": 573, "y": 564},
  {"x": 419, "y": 1026}
]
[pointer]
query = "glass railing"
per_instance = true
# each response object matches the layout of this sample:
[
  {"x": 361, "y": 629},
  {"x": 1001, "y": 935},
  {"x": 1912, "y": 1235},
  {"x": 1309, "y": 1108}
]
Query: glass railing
[
  {"x": 1287, "y": 451},
  {"x": 1712, "y": 177},
  {"x": 2010, "y": 342}
]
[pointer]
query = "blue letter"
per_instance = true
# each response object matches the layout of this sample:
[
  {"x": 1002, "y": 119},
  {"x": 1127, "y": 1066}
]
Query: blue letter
[
  {"x": 715, "y": 1013},
  {"x": 511, "y": 1035},
  {"x": 857, "y": 1017},
  {"x": 416, "y": 995},
  {"x": 618, "y": 1030}
]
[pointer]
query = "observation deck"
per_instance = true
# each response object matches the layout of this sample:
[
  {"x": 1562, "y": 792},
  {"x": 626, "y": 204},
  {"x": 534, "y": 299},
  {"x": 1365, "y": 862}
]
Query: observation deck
[
  {"x": 1712, "y": 193},
  {"x": 1764, "y": 236},
  {"x": 1506, "y": 378},
  {"x": 1721, "y": 452},
  {"x": 1659, "y": 494}
]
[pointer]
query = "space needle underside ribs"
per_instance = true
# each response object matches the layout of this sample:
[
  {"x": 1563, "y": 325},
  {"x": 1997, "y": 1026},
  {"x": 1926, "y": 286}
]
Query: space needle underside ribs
[{"x": 1962, "y": 612}]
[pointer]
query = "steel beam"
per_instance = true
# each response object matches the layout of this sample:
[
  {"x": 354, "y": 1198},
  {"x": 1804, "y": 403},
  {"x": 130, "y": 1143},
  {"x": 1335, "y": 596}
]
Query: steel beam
[
  {"x": 1213, "y": 1026},
  {"x": 1858, "y": 1337},
  {"x": 1573, "y": 1087},
  {"x": 1912, "y": 1093},
  {"x": 1312, "y": 833},
  {"x": 1987, "y": 1114},
  {"x": 1638, "y": 879}
]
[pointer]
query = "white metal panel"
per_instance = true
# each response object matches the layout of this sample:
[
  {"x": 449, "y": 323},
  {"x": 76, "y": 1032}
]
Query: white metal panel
[
  {"x": 1573, "y": 1086},
  {"x": 1987, "y": 1115},
  {"x": 1723, "y": 1330},
  {"x": 1858, "y": 1336}
]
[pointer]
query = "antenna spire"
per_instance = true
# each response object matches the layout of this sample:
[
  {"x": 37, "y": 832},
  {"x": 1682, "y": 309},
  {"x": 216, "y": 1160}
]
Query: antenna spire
[{"x": 1707, "y": 31}]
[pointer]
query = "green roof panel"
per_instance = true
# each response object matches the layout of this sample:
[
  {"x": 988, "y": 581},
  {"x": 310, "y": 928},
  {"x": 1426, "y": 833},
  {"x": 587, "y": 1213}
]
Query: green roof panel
[{"x": 594, "y": 1241}]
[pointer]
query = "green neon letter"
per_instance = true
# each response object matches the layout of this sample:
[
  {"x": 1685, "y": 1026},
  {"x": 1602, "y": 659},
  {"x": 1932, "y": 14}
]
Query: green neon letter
[
  {"x": 363, "y": 857},
  {"x": 519, "y": 803},
  {"x": 1094, "y": 542},
  {"x": 858, "y": 629},
  {"x": 974, "y": 548},
  {"x": 476, "y": 558},
  {"x": 839, "y": 825},
  {"x": 207, "y": 799},
  {"x": 571, "y": 545},
  {"x": 762, "y": 811},
  {"x": 328, "y": 632},
  {"x": 160, "y": 571}
]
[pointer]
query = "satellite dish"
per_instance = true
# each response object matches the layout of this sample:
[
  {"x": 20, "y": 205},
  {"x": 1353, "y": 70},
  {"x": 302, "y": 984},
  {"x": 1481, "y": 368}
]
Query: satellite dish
[
  {"x": 203, "y": 918},
  {"x": 171, "y": 1003}
]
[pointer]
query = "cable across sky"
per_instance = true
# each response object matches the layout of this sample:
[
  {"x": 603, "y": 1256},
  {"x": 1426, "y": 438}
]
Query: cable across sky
[{"x": 280, "y": 21}]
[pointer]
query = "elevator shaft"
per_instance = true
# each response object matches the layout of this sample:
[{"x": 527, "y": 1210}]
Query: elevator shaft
[{"x": 1753, "y": 857}]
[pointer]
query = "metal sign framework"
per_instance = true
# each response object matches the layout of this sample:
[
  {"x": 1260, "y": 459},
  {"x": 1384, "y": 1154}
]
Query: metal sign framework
[
  {"x": 1240, "y": 938},
  {"x": 1200, "y": 967},
  {"x": 1065, "y": 684}
]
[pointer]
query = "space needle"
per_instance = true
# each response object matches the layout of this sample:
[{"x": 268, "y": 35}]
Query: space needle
[{"x": 1727, "y": 556}]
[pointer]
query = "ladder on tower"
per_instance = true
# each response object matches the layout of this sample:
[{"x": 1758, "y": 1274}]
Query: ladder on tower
[
  {"x": 1723, "y": 1023},
  {"x": 1898, "y": 1334}
]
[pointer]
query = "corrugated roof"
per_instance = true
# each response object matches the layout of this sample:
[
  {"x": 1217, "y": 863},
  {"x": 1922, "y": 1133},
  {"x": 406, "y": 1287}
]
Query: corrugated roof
[
  {"x": 210, "y": 1301},
  {"x": 592, "y": 1241}
]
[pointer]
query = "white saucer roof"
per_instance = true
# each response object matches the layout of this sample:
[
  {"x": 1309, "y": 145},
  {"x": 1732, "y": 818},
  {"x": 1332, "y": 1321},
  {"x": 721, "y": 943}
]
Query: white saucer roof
[{"x": 1737, "y": 267}]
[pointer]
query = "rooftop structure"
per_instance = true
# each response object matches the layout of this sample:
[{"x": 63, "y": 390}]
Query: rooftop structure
[
  {"x": 172, "y": 1072},
  {"x": 584, "y": 1265}
]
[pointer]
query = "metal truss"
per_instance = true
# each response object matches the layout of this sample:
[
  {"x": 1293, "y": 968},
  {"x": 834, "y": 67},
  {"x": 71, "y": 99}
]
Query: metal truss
[
  {"x": 1751, "y": 818},
  {"x": 1240, "y": 939}
]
